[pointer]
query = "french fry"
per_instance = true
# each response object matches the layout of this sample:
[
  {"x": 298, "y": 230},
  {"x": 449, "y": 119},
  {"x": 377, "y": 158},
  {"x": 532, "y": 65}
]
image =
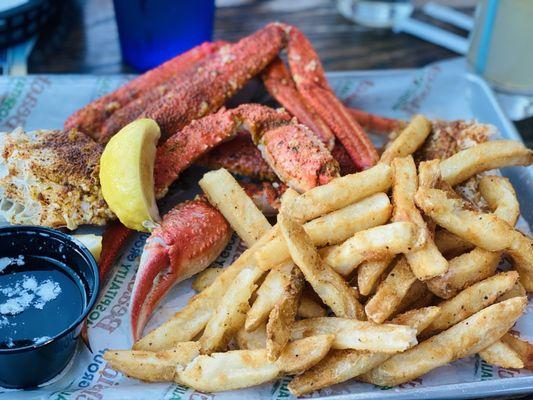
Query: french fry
[
  {"x": 426, "y": 262},
  {"x": 451, "y": 245},
  {"x": 327, "y": 283},
  {"x": 501, "y": 197},
  {"x": 251, "y": 340},
  {"x": 342, "y": 365},
  {"x": 429, "y": 173},
  {"x": 332, "y": 228},
  {"x": 417, "y": 296},
  {"x": 190, "y": 320},
  {"x": 372, "y": 244},
  {"x": 516, "y": 291},
  {"x": 469, "y": 225},
  {"x": 369, "y": 273},
  {"x": 526, "y": 278},
  {"x": 358, "y": 335},
  {"x": 463, "y": 271},
  {"x": 484, "y": 157},
  {"x": 467, "y": 337},
  {"x": 225, "y": 193},
  {"x": 502, "y": 355},
  {"x": 523, "y": 348},
  {"x": 471, "y": 300},
  {"x": 268, "y": 295},
  {"x": 409, "y": 140},
  {"x": 150, "y": 366},
  {"x": 230, "y": 313},
  {"x": 339, "y": 193},
  {"x": 244, "y": 368},
  {"x": 206, "y": 278},
  {"x": 283, "y": 314},
  {"x": 390, "y": 292},
  {"x": 310, "y": 308}
]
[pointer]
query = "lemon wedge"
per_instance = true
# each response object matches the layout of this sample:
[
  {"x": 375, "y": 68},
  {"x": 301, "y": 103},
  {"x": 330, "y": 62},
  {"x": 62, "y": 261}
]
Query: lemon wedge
[
  {"x": 127, "y": 174},
  {"x": 92, "y": 242}
]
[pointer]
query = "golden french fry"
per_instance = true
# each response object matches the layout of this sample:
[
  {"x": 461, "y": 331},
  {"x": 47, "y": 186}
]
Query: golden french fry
[
  {"x": 426, "y": 262},
  {"x": 463, "y": 271},
  {"x": 471, "y": 300},
  {"x": 309, "y": 307},
  {"x": 470, "y": 225},
  {"x": 390, "y": 292},
  {"x": 283, "y": 314},
  {"x": 251, "y": 340},
  {"x": 339, "y": 193},
  {"x": 526, "y": 278},
  {"x": 341, "y": 365},
  {"x": 268, "y": 295},
  {"x": 372, "y": 244},
  {"x": 230, "y": 313},
  {"x": 429, "y": 173},
  {"x": 502, "y": 355},
  {"x": 501, "y": 197},
  {"x": 150, "y": 366},
  {"x": 409, "y": 140},
  {"x": 451, "y": 245},
  {"x": 523, "y": 348},
  {"x": 328, "y": 284},
  {"x": 484, "y": 157},
  {"x": 190, "y": 320},
  {"x": 516, "y": 291},
  {"x": 332, "y": 228},
  {"x": 358, "y": 335},
  {"x": 369, "y": 273},
  {"x": 225, "y": 193},
  {"x": 206, "y": 278},
  {"x": 417, "y": 296},
  {"x": 467, "y": 337},
  {"x": 244, "y": 368}
]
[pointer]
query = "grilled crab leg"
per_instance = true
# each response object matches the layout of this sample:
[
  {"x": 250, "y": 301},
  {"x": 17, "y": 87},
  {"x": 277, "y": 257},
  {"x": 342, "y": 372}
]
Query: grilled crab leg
[{"x": 90, "y": 118}]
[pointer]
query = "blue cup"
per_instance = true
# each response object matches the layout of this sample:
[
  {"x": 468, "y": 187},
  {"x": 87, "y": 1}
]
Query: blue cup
[{"x": 153, "y": 31}]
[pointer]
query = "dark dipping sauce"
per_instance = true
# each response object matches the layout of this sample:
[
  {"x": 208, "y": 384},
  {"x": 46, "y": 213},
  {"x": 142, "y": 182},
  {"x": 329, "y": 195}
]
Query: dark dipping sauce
[{"x": 39, "y": 298}]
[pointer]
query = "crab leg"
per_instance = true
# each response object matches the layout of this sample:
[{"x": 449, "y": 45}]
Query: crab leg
[
  {"x": 90, "y": 118},
  {"x": 373, "y": 122},
  {"x": 295, "y": 154},
  {"x": 310, "y": 80}
]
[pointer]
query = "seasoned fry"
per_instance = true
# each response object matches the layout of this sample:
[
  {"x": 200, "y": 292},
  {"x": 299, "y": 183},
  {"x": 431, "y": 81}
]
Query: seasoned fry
[
  {"x": 502, "y": 355},
  {"x": 369, "y": 273},
  {"x": 332, "y": 228},
  {"x": 310, "y": 308},
  {"x": 229, "y": 315},
  {"x": 327, "y": 283},
  {"x": 471, "y": 300},
  {"x": 283, "y": 314},
  {"x": 358, "y": 335},
  {"x": 252, "y": 340},
  {"x": 149, "y": 366},
  {"x": 463, "y": 271},
  {"x": 451, "y": 245},
  {"x": 484, "y": 157},
  {"x": 390, "y": 292},
  {"x": 206, "y": 278},
  {"x": 339, "y": 193},
  {"x": 417, "y": 296},
  {"x": 268, "y": 295},
  {"x": 373, "y": 244},
  {"x": 467, "y": 337},
  {"x": 341, "y": 365},
  {"x": 501, "y": 197},
  {"x": 429, "y": 173},
  {"x": 523, "y": 348},
  {"x": 526, "y": 278},
  {"x": 427, "y": 261},
  {"x": 409, "y": 140},
  {"x": 225, "y": 193},
  {"x": 244, "y": 368},
  {"x": 516, "y": 291},
  {"x": 190, "y": 320},
  {"x": 470, "y": 225}
]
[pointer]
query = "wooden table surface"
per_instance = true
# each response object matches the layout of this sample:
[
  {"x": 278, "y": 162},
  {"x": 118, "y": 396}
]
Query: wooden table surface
[{"x": 85, "y": 39}]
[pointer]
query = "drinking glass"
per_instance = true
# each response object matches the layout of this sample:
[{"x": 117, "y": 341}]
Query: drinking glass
[{"x": 375, "y": 13}]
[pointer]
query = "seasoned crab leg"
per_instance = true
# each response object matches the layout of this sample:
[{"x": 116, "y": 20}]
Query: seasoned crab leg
[
  {"x": 293, "y": 152},
  {"x": 189, "y": 239},
  {"x": 373, "y": 122},
  {"x": 90, "y": 118}
]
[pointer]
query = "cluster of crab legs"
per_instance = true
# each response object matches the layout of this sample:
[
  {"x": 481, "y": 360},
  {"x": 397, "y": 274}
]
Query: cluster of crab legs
[{"x": 314, "y": 139}]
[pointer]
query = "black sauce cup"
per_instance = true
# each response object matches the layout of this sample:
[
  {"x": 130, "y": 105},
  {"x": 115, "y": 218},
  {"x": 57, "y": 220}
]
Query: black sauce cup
[{"x": 32, "y": 365}]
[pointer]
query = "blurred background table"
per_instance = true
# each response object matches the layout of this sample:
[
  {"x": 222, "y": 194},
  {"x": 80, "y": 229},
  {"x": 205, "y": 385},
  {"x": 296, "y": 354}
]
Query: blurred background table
[{"x": 85, "y": 38}]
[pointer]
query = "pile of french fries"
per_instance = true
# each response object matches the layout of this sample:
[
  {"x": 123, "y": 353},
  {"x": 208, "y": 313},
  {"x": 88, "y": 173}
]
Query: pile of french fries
[{"x": 378, "y": 276}]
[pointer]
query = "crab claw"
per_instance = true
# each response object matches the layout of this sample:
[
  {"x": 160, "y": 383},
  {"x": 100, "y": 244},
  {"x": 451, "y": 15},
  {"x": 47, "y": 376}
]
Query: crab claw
[{"x": 190, "y": 238}]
